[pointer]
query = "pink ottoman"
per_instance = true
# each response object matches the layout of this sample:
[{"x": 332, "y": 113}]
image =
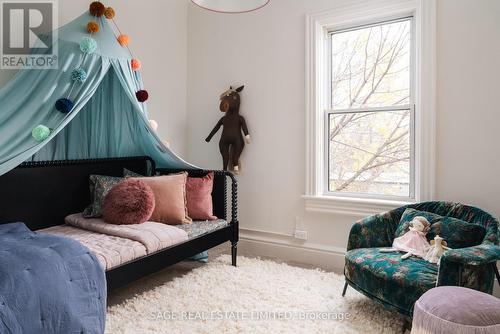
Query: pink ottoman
[{"x": 451, "y": 309}]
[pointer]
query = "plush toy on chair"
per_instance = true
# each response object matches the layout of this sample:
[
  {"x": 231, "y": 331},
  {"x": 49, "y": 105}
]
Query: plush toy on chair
[
  {"x": 436, "y": 250},
  {"x": 414, "y": 241},
  {"x": 231, "y": 142}
]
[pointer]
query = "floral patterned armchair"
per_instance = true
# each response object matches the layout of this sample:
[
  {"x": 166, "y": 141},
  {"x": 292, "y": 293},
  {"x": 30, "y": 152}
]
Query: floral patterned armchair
[{"x": 396, "y": 283}]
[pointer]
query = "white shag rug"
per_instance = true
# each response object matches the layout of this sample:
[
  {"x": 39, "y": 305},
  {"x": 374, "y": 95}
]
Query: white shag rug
[{"x": 258, "y": 296}]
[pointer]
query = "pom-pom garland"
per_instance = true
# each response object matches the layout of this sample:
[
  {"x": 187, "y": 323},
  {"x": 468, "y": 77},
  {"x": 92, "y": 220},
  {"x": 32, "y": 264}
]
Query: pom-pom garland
[
  {"x": 136, "y": 64},
  {"x": 40, "y": 133},
  {"x": 88, "y": 45},
  {"x": 109, "y": 13},
  {"x": 79, "y": 75},
  {"x": 97, "y": 9},
  {"x": 64, "y": 105},
  {"x": 123, "y": 39},
  {"x": 92, "y": 27},
  {"x": 142, "y": 95}
]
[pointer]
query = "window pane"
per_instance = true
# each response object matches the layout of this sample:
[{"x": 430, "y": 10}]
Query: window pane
[
  {"x": 369, "y": 153},
  {"x": 371, "y": 66}
]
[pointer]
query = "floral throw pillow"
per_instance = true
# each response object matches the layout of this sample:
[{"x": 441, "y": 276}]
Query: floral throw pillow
[
  {"x": 99, "y": 185},
  {"x": 407, "y": 217},
  {"x": 129, "y": 173},
  {"x": 457, "y": 233}
]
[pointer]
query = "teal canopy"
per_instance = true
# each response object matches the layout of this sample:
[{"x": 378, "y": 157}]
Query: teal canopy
[{"x": 107, "y": 120}]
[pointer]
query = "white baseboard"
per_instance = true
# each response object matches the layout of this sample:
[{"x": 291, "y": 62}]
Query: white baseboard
[{"x": 287, "y": 248}]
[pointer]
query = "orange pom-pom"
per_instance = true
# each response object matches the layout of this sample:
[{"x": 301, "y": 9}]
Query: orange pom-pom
[
  {"x": 109, "y": 13},
  {"x": 124, "y": 40},
  {"x": 97, "y": 8},
  {"x": 92, "y": 27},
  {"x": 136, "y": 64}
]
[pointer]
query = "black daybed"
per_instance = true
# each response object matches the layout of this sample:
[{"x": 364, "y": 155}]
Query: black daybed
[{"x": 42, "y": 194}]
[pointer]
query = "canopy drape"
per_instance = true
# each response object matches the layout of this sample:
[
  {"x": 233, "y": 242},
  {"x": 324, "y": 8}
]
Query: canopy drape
[{"x": 106, "y": 121}]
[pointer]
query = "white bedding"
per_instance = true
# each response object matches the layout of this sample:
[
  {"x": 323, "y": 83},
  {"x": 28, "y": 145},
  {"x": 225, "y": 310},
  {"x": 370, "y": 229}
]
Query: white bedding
[{"x": 117, "y": 244}]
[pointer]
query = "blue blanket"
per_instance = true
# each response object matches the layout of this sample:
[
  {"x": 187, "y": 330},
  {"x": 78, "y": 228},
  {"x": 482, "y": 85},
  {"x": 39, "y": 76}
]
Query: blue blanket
[{"x": 49, "y": 284}]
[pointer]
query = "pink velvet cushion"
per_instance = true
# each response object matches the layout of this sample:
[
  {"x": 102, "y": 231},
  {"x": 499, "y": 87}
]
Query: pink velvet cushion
[
  {"x": 199, "y": 197},
  {"x": 170, "y": 198},
  {"x": 129, "y": 202}
]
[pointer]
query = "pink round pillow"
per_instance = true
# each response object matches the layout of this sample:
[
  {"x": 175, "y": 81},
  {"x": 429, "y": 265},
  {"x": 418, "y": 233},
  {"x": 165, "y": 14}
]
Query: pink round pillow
[{"x": 129, "y": 202}]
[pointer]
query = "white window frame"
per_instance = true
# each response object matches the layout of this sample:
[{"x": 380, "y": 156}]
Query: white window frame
[
  {"x": 318, "y": 27},
  {"x": 410, "y": 106}
]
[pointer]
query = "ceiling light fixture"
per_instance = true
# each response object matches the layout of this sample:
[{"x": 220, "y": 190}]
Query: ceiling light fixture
[{"x": 231, "y": 6}]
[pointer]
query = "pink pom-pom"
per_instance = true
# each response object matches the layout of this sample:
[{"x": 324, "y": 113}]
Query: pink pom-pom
[
  {"x": 129, "y": 202},
  {"x": 136, "y": 64}
]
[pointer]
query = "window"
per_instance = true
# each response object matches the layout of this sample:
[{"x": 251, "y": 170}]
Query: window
[
  {"x": 370, "y": 106},
  {"x": 370, "y": 119}
]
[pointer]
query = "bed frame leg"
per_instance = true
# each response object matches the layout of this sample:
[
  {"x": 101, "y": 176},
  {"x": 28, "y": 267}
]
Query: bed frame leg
[
  {"x": 345, "y": 289},
  {"x": 234, "y": 251},
  {"x": 495, "y": 269}
]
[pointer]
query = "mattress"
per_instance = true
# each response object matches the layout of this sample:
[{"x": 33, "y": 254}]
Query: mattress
[
  {"x": 200, "y": 227},
  {"x": 113, "y": 251}
]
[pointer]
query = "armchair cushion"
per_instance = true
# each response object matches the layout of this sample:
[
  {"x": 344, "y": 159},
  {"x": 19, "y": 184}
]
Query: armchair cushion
[
  {"x": 474, "y": 256},
  {"x": 457, "y": 233},
  {"x": 392, "y": 281}
]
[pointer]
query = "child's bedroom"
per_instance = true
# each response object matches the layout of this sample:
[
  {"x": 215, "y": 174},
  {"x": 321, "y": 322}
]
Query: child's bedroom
[{"x": 249, "y": 166}]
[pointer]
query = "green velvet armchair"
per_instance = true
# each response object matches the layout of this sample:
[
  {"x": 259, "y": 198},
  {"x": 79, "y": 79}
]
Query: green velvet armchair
[{"x": 396, "y": 283}]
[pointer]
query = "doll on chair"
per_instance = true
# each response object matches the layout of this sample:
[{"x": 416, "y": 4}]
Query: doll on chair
[{"x": 414, "y": 241}]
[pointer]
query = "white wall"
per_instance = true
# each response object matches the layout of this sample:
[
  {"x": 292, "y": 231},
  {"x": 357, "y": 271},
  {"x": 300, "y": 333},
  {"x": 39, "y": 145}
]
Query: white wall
[
  {"x": 159, "y": 38},
  {"x": 265, "y": 51},
  {"x": 468, "y": 122},
  {"x": 468, "y": 119}
]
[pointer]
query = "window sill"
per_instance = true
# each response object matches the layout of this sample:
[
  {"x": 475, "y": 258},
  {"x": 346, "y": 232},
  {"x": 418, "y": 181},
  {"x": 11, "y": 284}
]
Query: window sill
[{"x": 349, "y": 206}]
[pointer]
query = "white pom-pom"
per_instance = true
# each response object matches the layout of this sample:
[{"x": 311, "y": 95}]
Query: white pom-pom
[{"x": 153, "y": 124}]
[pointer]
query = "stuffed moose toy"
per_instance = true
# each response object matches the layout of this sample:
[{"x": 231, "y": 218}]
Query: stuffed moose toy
[{"x": 231, "y": 142}]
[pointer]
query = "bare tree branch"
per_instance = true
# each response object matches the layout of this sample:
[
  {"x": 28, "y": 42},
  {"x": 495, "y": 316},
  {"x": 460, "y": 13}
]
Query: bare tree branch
[{"x": 365, "y": 80}]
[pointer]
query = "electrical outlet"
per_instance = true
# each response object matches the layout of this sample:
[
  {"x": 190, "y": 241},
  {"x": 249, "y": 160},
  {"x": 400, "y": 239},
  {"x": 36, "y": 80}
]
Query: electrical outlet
[
  {"x": 300, "y": 234},
  {"x": 298, "y": 223}
]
